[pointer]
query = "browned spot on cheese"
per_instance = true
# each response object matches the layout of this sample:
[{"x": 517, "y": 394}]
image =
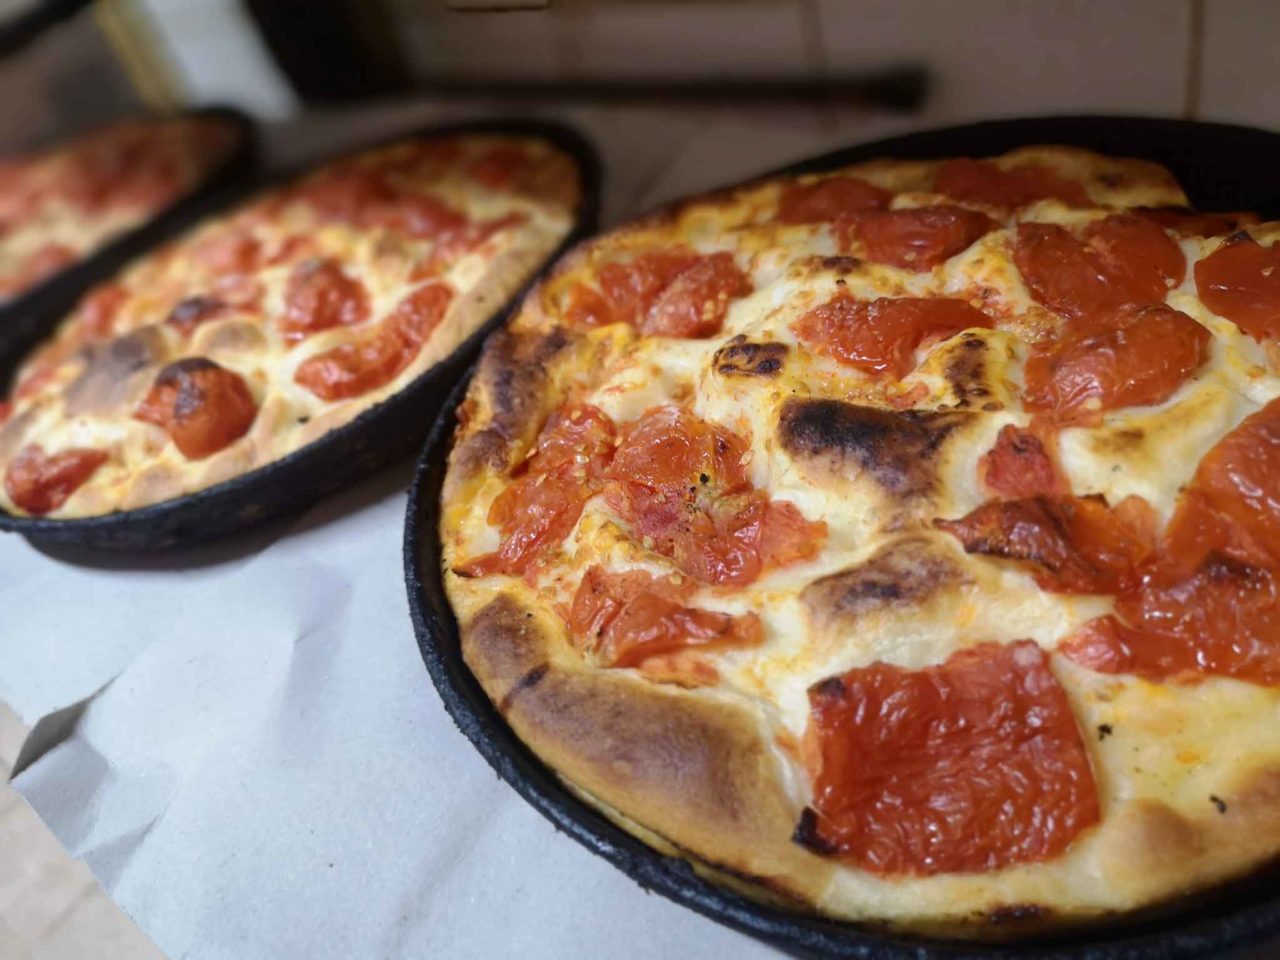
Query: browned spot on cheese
[
  {"x": 1018, "y": 913},
  {"x": 967, "y": 372},
  {"x": 899, "y": 450},
  {"x": 739, "y": 357},
  {"x": 103, "y": 383},
  {"x": 903, "y": 572}
]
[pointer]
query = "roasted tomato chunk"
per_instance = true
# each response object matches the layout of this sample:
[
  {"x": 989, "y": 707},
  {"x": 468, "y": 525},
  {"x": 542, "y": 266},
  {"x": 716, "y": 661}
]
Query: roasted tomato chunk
[
  {"x": 1137, "y": 355},
  {"x": 675, "y": 293},
  {"x": 97, "y": 313},
  {"x": 682, "y": 484},
  {"x": 545, "y": 499},
  {"x": 882, "y": 336},
  {"x": 39, "y": 482},
  {"x": 203, "y": 407},
  {"x": 1241, "y": 281},
  {"x": 969, "y": 766},
  {"x": 1186, "y": 222},
  {"x": 1019, "y": 466},
  {"x": 320, "y": 295},
  {"x": 1117, "y": 260},
  {"x": 921, "y": 238},
  {"x": 830, "y": 201},
  {"x": 626, "y": 618},
  {"x": 352, "y": 369},
  {"x": 1070, "y": 544},
  {"x": 1008, "y": 188}
]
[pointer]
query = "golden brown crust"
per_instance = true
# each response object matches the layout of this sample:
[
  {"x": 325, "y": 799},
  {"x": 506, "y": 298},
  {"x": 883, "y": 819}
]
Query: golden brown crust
[{"x": 662, "y": 755}]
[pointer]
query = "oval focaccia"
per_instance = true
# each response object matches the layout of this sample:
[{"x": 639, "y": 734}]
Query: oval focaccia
[
  {"x": 902, "y": 538},
  {"x": 266, "y": 328}
]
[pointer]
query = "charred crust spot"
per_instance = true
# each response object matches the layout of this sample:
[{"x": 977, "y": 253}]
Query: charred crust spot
[
  {"x": 526, "y": 682},
  {"x": 1240, "y": 236},
  {"x": 840, "y": 264},
  {"x": 898, "y": 449},
  {"x": 966, "y": 371},
  {"x": 107, "y": 365},
  {"x": 1218, "y": 803},
  {"x": 739, "y": 357},
  {"x": 1112, "y": 180},
  {"x": 806, "y": 834},
  {"x": 1104, "y": 730},
  {"x": 1018, "y": 913},
  {"x": 903, "y": 572}
]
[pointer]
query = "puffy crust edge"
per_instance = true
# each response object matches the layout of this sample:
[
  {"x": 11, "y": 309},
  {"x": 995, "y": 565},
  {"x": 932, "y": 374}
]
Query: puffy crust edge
[{"x": 698, "y": 770}]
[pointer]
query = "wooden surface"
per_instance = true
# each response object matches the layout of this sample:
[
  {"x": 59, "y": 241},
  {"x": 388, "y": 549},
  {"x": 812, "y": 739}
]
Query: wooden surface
[{"x": 51, "y": 908}]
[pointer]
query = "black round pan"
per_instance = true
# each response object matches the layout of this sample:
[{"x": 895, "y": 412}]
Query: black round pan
[
  {"x": 1221, "y": 167},
  {"x": 29, "y": 317},
  {"x": 386, "y": 432}
]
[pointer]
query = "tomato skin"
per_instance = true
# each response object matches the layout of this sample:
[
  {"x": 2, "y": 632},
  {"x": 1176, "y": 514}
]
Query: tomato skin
[
  {"x": 1019, "y": 466},
  {"x": 1137, "y": 355},
  {"x": 968, "y": 766},
  {"x": 319, "y": 295},
  {"x": 1071, "y": 544},
  {"x": 545, "y": 499},
  {"x": 980, "y": 181},
  {"x": 882, "y": 336},
  {"x": 370, "y": 198},
  {"x": 352, "y": 369},
  {"x": 1240, "y": 478},
  {"x": 1117, "y": 260},
  {"x": 671, "y": 293},
  {"x": 231, "y": 251},
  {"x": 682, "y": 484},
  {"x": 1241, "y": 281},
  {"x": 1186, "y": 222},
  {"x": 627, "y": 618},
  {"x": 921, "y": 238},
  {"x": 203, "y": 407},
  {"x": 830, "y": 200},
  {"x": 39, "y": 482}
]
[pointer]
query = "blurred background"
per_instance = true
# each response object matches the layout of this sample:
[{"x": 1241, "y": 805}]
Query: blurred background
[{"x": 69, "y": 63}]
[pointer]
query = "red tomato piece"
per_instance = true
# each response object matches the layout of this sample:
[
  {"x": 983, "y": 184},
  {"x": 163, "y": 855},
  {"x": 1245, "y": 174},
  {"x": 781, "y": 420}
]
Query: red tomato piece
[
  {"x": 1070, "y": 544},
  {"x": 1240, "y": 478},
  {"x": 1120, "y": 259},
  {"x": 1019, "y": 466},
  {"x": 1186, "y": 222},
  {"x": 882, "y": 336},
  {"x": 228, "y": 251},
  {"x": 352, "y": 369},
  {"x": 626, "y": 618},
  {"x": 39, "y": 482},
  {"x": 544, "y": 501},
  {"x": 500, "y": 165},
  {"x": 1136, "y": 355},
  {"x": 1241, "y": 281},
  {"x": 319, "y": 295},
  {"x": 682, "y": 484},
  {"x": 921, "y": 238},
  {"x": 203, "y": 407},
  {"x": 980, "y": 181},
  {"x": 830, "y": 200},
  {"x": 675, "y": 293},
  {"x": 969, "y": 766}
]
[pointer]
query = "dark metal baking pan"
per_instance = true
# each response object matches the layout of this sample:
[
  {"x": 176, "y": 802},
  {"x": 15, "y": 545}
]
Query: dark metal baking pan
[
  {"x": 1222, "y": 167},
  {"x": 30, "y": 316},
  {"x": 388, "y": 431}
]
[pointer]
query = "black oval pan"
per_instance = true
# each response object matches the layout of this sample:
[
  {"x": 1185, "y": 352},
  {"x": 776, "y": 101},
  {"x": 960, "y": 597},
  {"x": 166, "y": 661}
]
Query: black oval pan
[
  {"x": 388, "y": 431},
  {"x": 1221, "y": 167},
  {"x": 29, "y": 317}
]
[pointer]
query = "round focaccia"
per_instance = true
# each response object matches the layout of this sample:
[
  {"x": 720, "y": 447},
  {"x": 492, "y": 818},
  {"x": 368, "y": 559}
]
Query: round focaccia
[
  {"x": 899, "y": 541},
  {"x": 59, "y": 205},
  {"x": 266, "y": 328}
]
